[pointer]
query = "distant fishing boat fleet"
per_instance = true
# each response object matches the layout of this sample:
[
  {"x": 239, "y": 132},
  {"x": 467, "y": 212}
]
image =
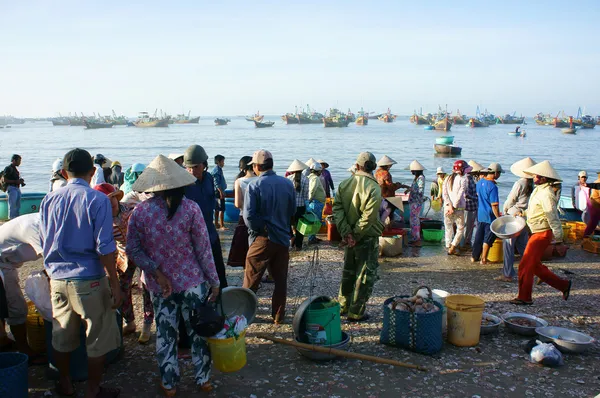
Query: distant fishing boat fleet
[{"x": 97, "y": 121}]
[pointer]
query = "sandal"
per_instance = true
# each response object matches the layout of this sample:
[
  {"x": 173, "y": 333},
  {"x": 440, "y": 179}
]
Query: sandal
[
  {"x": 206, "y": 387},
  {"x": 567, "y": 292},
  {"x": 517, "y": 301},
  {"x": 169, "y": 392},
  {"x": 62, "y": 393},
  {"x": 108, "y": 392}
]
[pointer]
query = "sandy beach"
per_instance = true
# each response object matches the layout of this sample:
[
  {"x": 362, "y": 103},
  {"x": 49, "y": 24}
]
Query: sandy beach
[{"x": 497, "y": 367}]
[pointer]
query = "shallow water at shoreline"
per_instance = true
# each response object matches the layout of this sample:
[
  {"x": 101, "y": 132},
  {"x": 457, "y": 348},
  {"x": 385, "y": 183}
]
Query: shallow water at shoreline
[{"x": 41, "y": 143}]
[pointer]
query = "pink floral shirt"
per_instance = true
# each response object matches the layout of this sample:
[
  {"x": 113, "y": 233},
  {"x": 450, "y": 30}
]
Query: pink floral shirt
[{"x": 179, "y": 247}]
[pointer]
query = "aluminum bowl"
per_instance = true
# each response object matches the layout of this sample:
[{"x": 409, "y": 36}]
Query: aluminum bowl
[
  {"x": 238, "y": 301},
  {"x": 522, "y": 330},
  {"x": 508, "y": 227},
  {"x": 321, "y": 356},
  {"x": 489, "y": 329},
  {"x": 566, "y": 340}
]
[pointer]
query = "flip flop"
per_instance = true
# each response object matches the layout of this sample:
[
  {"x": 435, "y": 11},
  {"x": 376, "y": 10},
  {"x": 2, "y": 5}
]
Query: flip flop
[{"x": 520, "y": 302}]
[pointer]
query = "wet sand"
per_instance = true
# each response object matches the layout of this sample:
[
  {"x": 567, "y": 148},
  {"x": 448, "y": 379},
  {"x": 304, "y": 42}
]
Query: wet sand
[{"x": 497, "y": 367}]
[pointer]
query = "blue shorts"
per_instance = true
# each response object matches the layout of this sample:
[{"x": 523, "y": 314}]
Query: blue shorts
[{"x": 220, "y": 206}]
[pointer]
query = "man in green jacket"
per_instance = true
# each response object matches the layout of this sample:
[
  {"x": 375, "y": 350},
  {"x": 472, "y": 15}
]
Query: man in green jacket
[{"x": 356, "y": 214}]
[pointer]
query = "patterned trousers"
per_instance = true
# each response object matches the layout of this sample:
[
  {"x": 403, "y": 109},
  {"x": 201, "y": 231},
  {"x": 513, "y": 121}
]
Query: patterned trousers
[
  {"x": 359, "y": 276},
  {"x": 167, "y": 321},
  {"x": 415, "y": 221}
]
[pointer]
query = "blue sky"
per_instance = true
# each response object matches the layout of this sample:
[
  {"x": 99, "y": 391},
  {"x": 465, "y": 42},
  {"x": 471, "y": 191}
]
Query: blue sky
[{"x": 237, "y": 57}]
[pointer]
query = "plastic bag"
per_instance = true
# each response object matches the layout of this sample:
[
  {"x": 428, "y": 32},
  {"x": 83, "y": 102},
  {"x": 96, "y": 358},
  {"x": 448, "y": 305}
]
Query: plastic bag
[
  {"x": 37, "y": 288},
  {"x": 546, "y": 354}
]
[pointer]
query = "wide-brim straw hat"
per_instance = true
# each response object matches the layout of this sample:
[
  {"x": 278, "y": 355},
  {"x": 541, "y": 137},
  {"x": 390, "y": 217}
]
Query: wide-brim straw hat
[
  {"x": 476, "y": 166},
  {"x": 495, "y": 167},
  {"x": 543, "y": 169},
  {"x": 415, "y": 166},
  {"x": 523, "y": 164},
  {"x": 396, "y": 201},
  {"x": 440, "y": 170},
  {"x": 162, "y": 174},
  {"x": 296, "y": 166},
  {"x": 323, "y": 163},
  {"x": 386, "y": 161}
]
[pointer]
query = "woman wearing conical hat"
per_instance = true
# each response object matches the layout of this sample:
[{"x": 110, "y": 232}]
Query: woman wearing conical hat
[
  {"x": 415, "y": 200},
  {"x": 516, "y": 202},
  {"x": 301, "y": 188},
  {"x": 384, "y": 178},
  {"x": 545, "y": 226},
  {"x": 168, "y": 240}
]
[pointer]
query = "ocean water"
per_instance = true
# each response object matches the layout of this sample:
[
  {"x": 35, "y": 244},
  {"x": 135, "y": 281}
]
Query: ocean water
[{"x": 41, "y": 143}]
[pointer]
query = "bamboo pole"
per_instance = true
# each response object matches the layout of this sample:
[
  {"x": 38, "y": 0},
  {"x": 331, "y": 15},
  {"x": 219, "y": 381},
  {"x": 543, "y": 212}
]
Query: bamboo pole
[{"x": 341, "y": 353}]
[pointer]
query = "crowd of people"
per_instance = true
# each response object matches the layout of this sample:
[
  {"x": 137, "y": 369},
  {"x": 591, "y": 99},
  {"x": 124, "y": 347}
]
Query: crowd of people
[{"x": 99, "y": 224}]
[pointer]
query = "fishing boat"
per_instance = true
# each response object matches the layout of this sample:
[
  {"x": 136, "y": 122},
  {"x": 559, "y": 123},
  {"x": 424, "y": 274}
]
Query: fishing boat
[
  {"x": 569, "y": 130},
  {"x": 118, "y": 120},
  {"x": 221, "y": 121},
  {"x": 510, "y": 119},
  {"x": 351, "y": 116},
  {"x": 335, "y": 119},
  {"x": 378, "y": 115},
  {"x": 92, "y": 125},
  {"x": 30, "y": 203},
  {"x": 256, "y": 118},
  {"x": 262, "y": 125},
  {"x": 145, "y": 120},
  {"x": 459, "y": 119},
  {"x": 560, "y": 123},
  {"x": 474, "y": 122},
  {"x": 182, "y": 118},
  {"x": 290, "y": 118},
  {"x": 420, "y": 118},
  {"x": 443, "y": 124},
  {"x": 543, "y": 120},
  {"x": 447, "y": 149},
  {"x": 387, "y": 117},
  {"x": 60, "y": 122},
  {"x": 363, "y": 118},
  {"x": 515, "y": 134},
  {"x": 309, "y": 117}
]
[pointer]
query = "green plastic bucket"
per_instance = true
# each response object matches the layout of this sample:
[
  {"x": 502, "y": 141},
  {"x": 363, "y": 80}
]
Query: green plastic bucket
[
  {"x": 309, "y": 224},
  {"x": 323, "y": 324}
]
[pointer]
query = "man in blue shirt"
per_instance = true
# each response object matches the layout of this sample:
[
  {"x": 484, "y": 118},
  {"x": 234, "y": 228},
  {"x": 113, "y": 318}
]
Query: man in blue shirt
[
  {"x": 79, "y": 251},
  {"x": 203, "y": 193},
  {"x": 269, "y": 205},
  {"x": 487, "y": 211},
  {"x": 220, "y": 187}
]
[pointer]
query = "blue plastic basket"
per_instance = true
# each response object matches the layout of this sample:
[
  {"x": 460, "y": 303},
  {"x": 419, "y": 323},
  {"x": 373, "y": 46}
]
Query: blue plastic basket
[
  {"x": 13, "y": 375},
  {"x": 415, "y": 331}
]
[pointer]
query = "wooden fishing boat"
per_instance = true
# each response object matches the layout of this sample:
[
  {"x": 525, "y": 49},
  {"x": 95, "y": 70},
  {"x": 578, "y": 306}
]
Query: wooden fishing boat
[
  {"x": 337, "y": 120},
  {"x": 351, "y": 116},
  {"x": 473, "y": 122},
  {"x": 362, "y": 120},
  {"x": 185, "y": 119},
  {"x": 420, "y": 119},
  {"x": 145, "y": 120},
  {"x": 290, "y": 118},
  {"x": 91, "y": 125},
  {"x": 256, "y": 118},
  {"x": 377, "y": 116},
  {"x": 60, "y": 122},
  {"x": 386, "y": 118},
  {"x": 262, "y": 125},
  {"x": 560, "y": 123},
  {"x": 447, "y": 149},
  {"x": 510, "y": 119},
  {"x": 459, "y": 119},
  {"x": 569, "y": 130},
  {"x": 221, "y": 121},
  {"x": 443, "y": 124}
]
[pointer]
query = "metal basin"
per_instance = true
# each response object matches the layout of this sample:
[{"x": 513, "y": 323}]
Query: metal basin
[
  {"x": 522, "y": 330},
  {"x": 239, "y": 301},
  {"x": 489, "y": 329},
  {"x": 567, "y": 340},
  {"x": 508, "y": 227},
  {"x": 321, "y": 356}
]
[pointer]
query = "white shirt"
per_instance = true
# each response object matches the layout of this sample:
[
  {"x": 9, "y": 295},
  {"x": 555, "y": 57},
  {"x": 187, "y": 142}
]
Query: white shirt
[{"x": 98, "y": 177}]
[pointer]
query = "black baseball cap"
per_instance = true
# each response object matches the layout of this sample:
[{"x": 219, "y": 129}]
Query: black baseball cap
[{"x": 78, "y": 161}]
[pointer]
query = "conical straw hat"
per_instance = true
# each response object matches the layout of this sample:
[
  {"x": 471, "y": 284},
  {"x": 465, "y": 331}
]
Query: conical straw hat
[
  {"x": 310, "y": 162},
  {"x": 543, "y": 169},
  {"x": 386, "y": 161},
  {"x": 321, "y": 161},
  {"x": 162, "y": 174},
  {"x": 396, "y": 201},
  {"x": 523, "y": 164},
  {"x": 296, "y": 166},
  {"x": 476, "y": 166},
  {"x": 415, "y": 166}
]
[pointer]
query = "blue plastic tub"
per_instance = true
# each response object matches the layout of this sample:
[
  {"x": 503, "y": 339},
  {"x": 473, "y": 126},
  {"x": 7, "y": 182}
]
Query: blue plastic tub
[
  {"x": 232, "y": 213},
  {"x": 13, "y": 375},
  {"x": 30, "y": 203}
]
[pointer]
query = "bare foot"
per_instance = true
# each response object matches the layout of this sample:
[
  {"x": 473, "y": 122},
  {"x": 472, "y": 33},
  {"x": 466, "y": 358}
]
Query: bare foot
[
  {"x": 503, "y": 278},
  {"x": 483, "y": 261}
]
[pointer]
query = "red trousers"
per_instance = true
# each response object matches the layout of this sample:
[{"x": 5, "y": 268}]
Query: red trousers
[{"x": 531, "y": 264}]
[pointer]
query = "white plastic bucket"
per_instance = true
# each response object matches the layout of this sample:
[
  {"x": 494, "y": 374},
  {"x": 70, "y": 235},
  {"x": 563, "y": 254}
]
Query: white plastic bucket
[{"x": 440, "y": 297}]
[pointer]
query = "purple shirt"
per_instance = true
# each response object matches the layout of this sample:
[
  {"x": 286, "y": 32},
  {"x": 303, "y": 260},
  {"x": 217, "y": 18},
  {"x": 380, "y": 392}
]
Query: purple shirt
[
  {"x": 75, "y": 229},
  {"x": 179, "y": 247},
  {"x": 327, "y": 182}
]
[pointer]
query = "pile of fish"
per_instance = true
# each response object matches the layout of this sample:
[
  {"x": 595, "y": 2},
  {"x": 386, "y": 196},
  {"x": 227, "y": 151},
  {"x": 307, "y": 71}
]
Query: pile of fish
[{"x": 414, "y": 304}]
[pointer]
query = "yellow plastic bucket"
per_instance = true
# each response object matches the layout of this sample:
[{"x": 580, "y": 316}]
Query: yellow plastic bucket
[
  {"x": 228, "y": 355},
  {"x": 36, "y": 332},
  {"x": 496, "y": 254},
  {"x": 566, "y": 233},
  {"x": 464, "y": 319},
  {"x": 436, "y": 205}
]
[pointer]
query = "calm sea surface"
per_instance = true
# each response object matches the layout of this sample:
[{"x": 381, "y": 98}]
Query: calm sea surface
[{"x": 41, "y": 143}]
